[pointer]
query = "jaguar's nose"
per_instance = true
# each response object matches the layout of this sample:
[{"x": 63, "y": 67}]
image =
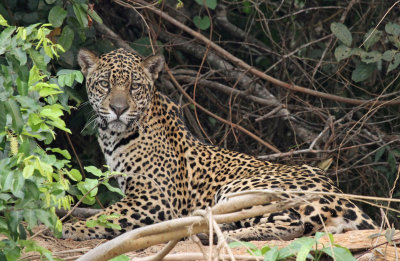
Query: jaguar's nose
[{"x": 119, "y": 105}]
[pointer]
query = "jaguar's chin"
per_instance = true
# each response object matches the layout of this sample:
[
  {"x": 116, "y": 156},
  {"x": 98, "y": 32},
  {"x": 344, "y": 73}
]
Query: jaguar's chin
[{"x": 117, "y": 125}]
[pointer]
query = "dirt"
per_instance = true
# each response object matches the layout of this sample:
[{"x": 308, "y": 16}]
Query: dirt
[{"x": 356, "y": 241}]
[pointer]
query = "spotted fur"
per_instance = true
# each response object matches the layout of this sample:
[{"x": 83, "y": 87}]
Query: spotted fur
[{"x": 170, "y": 173}]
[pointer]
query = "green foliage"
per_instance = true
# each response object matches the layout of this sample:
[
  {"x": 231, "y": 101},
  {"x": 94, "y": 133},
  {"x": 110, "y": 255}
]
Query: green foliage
[
  {"x": 303, "y": 248},
  {"x": 143, "y": 46},
  {"x": 104, "y": 221},
  {"x": 389, "y": 156},
  {"x": 202, "y": 23},
  {"x": 57, "y": 15},
  {"x": 369, "y": 60},
  {"x": 32, "y": 180},
  {"x": 342, "y": 33},
  {"x": 88, "y": 188},
  {"x": 35, "y": 174},
  {"x": 212, "y": 4},
  {"x": 120, "y": 258}
]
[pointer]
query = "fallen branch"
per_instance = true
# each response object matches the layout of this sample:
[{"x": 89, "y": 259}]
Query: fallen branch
[
  {"x": 78, "y": 212},
  {"x": 184, "y": 227}
]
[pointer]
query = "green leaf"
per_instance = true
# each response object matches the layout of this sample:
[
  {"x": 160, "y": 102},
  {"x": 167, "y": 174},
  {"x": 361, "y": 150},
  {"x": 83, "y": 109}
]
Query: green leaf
[
  {"x": 357, "y": 51},
  {"x": 95, "y": 16},
  {"x": 212, "y": 4},
  {"x": 371, "y": 57},
  {"x": 14, "y": 220},
  {"x": 142, "y": 46},
  {"x": 113, "y": 189},
  {"x": 30, "y": 218},
  {"x": 342, "y": 52},
  {"x": 87, "y": 185},
  {"x": 5, "y": 37},
  {"x": 46, "y": 89},
  {"x": 14, "y": 110},
  {"x": 394, "y": 39},
  {"x": 242, "y": 244},
  {"x": 34, "y": 120},
  {"x": 250, "y": 247},
  {"x": 19, "y": 55},
  {"x": 51, "y": 111},
  {"x": 389, "y": 234},
  {"x": 28, "y": 171},
  {"x": 92, "y": 223},
  {"x": 67, "y": 77},
  {"x": 3, "y": 116},
  {"x": 392, "y": 162},
  {"x": 318, "y": 236},
  {"x": 65, "y": 153},
  {"x": 113, "y": 226},
  {"x": 57, "y": 15},
  {"x": 45, "y": 217},
  {"x": 22, "y": 87},
  {"x": 306, "y": 245},
  {"x": 34, "y": 76},
  {"x": 58, "y": 123},
  {"x": 394, "y": 63},
  {"x": 265, "y": 249},
  {"x": 17, "y": 185},
  {"x": 95, "y": 171},
  {"x": 78, "y": 76},
  {"x": 81, "y": 15},
  {"x": 272, "y": 254},
  {"x": 202, "y": 23},
  {"x": 246, "y": 7},
  {"x": 3, "y": 22},
  {"x": 31, "y": 189},
  {"x": 66, "y": 38},
  {"x": 342, "y": 33},
  {"x": 340, "y": 253},
  {"x": 362, "y": 72},
  {"x": 38, "y": 59},
  {"x": 389, "y": 55},
  {"x": 393, "y": 29},
  {"x": 120, "y": 258},
  {"x": 371, "y": 37},
  {"x": 75, "y": 175}
]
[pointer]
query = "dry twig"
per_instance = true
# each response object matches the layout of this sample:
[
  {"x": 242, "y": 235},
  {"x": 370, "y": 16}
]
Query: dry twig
[{"x": 256, "y": 72}]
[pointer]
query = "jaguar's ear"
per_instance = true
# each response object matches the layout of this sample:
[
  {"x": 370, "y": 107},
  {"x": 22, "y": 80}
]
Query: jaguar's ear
[
  {"x": 87, "y": 60},
  {"x": 154, "y": 65}
]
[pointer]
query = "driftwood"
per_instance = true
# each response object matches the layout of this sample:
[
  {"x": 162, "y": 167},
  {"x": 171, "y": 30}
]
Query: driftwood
[
  {"x": 78, "y": 212},
  {"x": 172, "y": 230}
]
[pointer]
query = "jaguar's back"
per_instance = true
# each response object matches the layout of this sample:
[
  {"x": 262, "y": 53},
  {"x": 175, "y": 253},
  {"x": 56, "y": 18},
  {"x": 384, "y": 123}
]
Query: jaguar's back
[{"x": 170, "y": 172}]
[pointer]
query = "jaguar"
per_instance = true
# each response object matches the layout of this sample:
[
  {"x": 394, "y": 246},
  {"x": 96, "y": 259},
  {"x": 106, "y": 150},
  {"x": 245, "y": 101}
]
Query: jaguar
[{"x": 170, "y": 173}]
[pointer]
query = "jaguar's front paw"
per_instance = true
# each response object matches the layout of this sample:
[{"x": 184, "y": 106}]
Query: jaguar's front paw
[{"x": 77, "y": 231}]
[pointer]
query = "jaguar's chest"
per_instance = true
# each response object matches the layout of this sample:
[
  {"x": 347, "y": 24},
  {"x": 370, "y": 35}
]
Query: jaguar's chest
[{"x": 143, "y": 153}]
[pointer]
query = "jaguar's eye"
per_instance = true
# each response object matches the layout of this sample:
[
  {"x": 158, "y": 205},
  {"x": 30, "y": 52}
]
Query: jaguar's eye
[
  {"x": 136, "y": 86},
  {"x": 104, "y": 84}
]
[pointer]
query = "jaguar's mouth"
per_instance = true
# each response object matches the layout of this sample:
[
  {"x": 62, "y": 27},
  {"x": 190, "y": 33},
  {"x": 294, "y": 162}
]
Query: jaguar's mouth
[{"x": 117, "y": 125}]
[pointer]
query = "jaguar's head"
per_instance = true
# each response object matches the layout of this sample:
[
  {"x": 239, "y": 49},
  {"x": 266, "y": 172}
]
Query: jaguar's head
[{"x": 120, "y": 86}]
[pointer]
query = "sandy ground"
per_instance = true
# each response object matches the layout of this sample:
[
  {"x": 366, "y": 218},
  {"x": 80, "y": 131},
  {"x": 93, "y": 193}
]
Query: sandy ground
[{"x": 357, "y": 241}]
